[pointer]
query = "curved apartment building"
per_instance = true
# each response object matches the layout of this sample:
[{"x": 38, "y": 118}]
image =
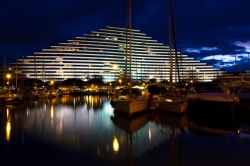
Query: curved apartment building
[{"x": 103, "y": 53}]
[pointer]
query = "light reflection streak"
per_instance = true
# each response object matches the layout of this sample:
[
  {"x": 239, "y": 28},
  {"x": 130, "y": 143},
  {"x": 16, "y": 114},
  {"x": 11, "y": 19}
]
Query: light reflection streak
[
  {"x": 115, "y": 145},
  {"x": 52, "y": 112},
  {"x": 7, "y": 113},
  {"x": 61, "y": 122},
  {"x": 52, "y": 115},
  {"x": 107, "y": 108},
  {"x": 27, "y": 112},
  {"x": 8, "y": 130},
  {"x": 149, "y": 134},
  {"x": 8, "y": 125}
]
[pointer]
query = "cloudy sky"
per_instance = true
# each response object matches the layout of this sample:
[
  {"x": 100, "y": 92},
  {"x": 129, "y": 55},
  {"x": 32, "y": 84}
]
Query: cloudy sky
[{"x": 214, "y": 31}]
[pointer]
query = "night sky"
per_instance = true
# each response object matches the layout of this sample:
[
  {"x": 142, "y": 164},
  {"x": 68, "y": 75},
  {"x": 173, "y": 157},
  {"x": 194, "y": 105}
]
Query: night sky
[{"x": 214, "y": 31}]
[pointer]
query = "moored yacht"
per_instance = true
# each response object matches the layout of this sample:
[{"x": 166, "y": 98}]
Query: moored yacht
[
  {"x": 172, "y": 104},
  {"x": 130, "y": 104},
  {"x": 174, "y": 101},
  {"x": 211, "y": 92},
  {"x": 162, "y": 100}
]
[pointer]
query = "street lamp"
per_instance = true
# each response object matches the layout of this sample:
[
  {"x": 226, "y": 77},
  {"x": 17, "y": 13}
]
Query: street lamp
[
  {"x": 8, "y": 76},
  {"x": 52, "y": 82},
  {"x": 120, "y": 81}
]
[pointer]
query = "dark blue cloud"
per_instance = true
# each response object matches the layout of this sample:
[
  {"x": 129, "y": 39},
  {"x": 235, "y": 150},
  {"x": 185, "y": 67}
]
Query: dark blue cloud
[{"x": 28, "y": 26}]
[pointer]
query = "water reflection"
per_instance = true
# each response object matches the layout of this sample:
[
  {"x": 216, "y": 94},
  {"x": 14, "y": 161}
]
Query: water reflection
[
  {"x": 88, "y": 124},
  {"x": 115, "y": 144},
  {"x": 132, "y": 134},
  {"x": 84, "y": 123},
  {"x": 8, "y": 130},
  {"x": 173, "y": 126},
  {"x": 8, "y": 125},
  {"x": 214, "y": 123},
  {"x": 91, "y": 102}
]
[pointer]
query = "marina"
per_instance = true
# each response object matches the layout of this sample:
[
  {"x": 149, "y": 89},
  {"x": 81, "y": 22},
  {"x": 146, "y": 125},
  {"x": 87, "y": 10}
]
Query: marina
[
  {"x": 129, "y": 82},
  {"x": 87, "y": 129}
]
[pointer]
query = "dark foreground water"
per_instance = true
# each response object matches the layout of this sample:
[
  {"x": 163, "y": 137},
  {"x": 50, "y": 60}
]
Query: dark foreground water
[{"x": 86, "y": 131}]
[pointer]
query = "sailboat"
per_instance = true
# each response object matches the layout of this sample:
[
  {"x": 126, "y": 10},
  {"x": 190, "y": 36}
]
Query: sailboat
[
  {"x": 212, "y": 92},
  {"x": 172, "y": 103},
  {"x": 132, "y": 103}
]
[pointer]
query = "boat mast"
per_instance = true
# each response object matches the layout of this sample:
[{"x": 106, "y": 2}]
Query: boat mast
[
  {"x": 128, "y": 44},
  {"x": 129, "y": 36},
  {"x": 170, "y": 43},
  {"x": 16, "y": 72},
  {"x": 172, "y": 39},
  {"x": 4, "y": 69}
]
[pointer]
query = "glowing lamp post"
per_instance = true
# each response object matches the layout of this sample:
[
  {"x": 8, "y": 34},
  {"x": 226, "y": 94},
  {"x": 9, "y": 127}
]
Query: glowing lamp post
[
  {"x": 52, "y": 84},
  {"x": 120, "y": 81},
  {"x": 8, "y": 76}
]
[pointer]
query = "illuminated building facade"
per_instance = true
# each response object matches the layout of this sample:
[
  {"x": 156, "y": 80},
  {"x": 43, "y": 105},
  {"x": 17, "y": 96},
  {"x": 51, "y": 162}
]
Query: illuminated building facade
[{"x": 103, "y": 53}]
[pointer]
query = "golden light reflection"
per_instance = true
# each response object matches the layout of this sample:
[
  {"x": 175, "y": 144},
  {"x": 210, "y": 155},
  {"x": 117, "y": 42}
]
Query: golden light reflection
[
  {"x": 8, "y": 130},
  {"x": 90, "y": 101},
  {"x": 64, "y": 99},
  {"x": 52, "y": 112},
  {"x": 115, "y": 144},
  {"x": 7, "y": 113}
]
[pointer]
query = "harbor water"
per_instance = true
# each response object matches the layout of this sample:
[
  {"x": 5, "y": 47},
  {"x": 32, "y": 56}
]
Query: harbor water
[{"x": 85, "y": 130}]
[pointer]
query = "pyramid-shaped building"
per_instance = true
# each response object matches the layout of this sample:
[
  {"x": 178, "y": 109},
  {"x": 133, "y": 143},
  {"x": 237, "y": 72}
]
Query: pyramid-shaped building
[{"x": 103, "y": 53}]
